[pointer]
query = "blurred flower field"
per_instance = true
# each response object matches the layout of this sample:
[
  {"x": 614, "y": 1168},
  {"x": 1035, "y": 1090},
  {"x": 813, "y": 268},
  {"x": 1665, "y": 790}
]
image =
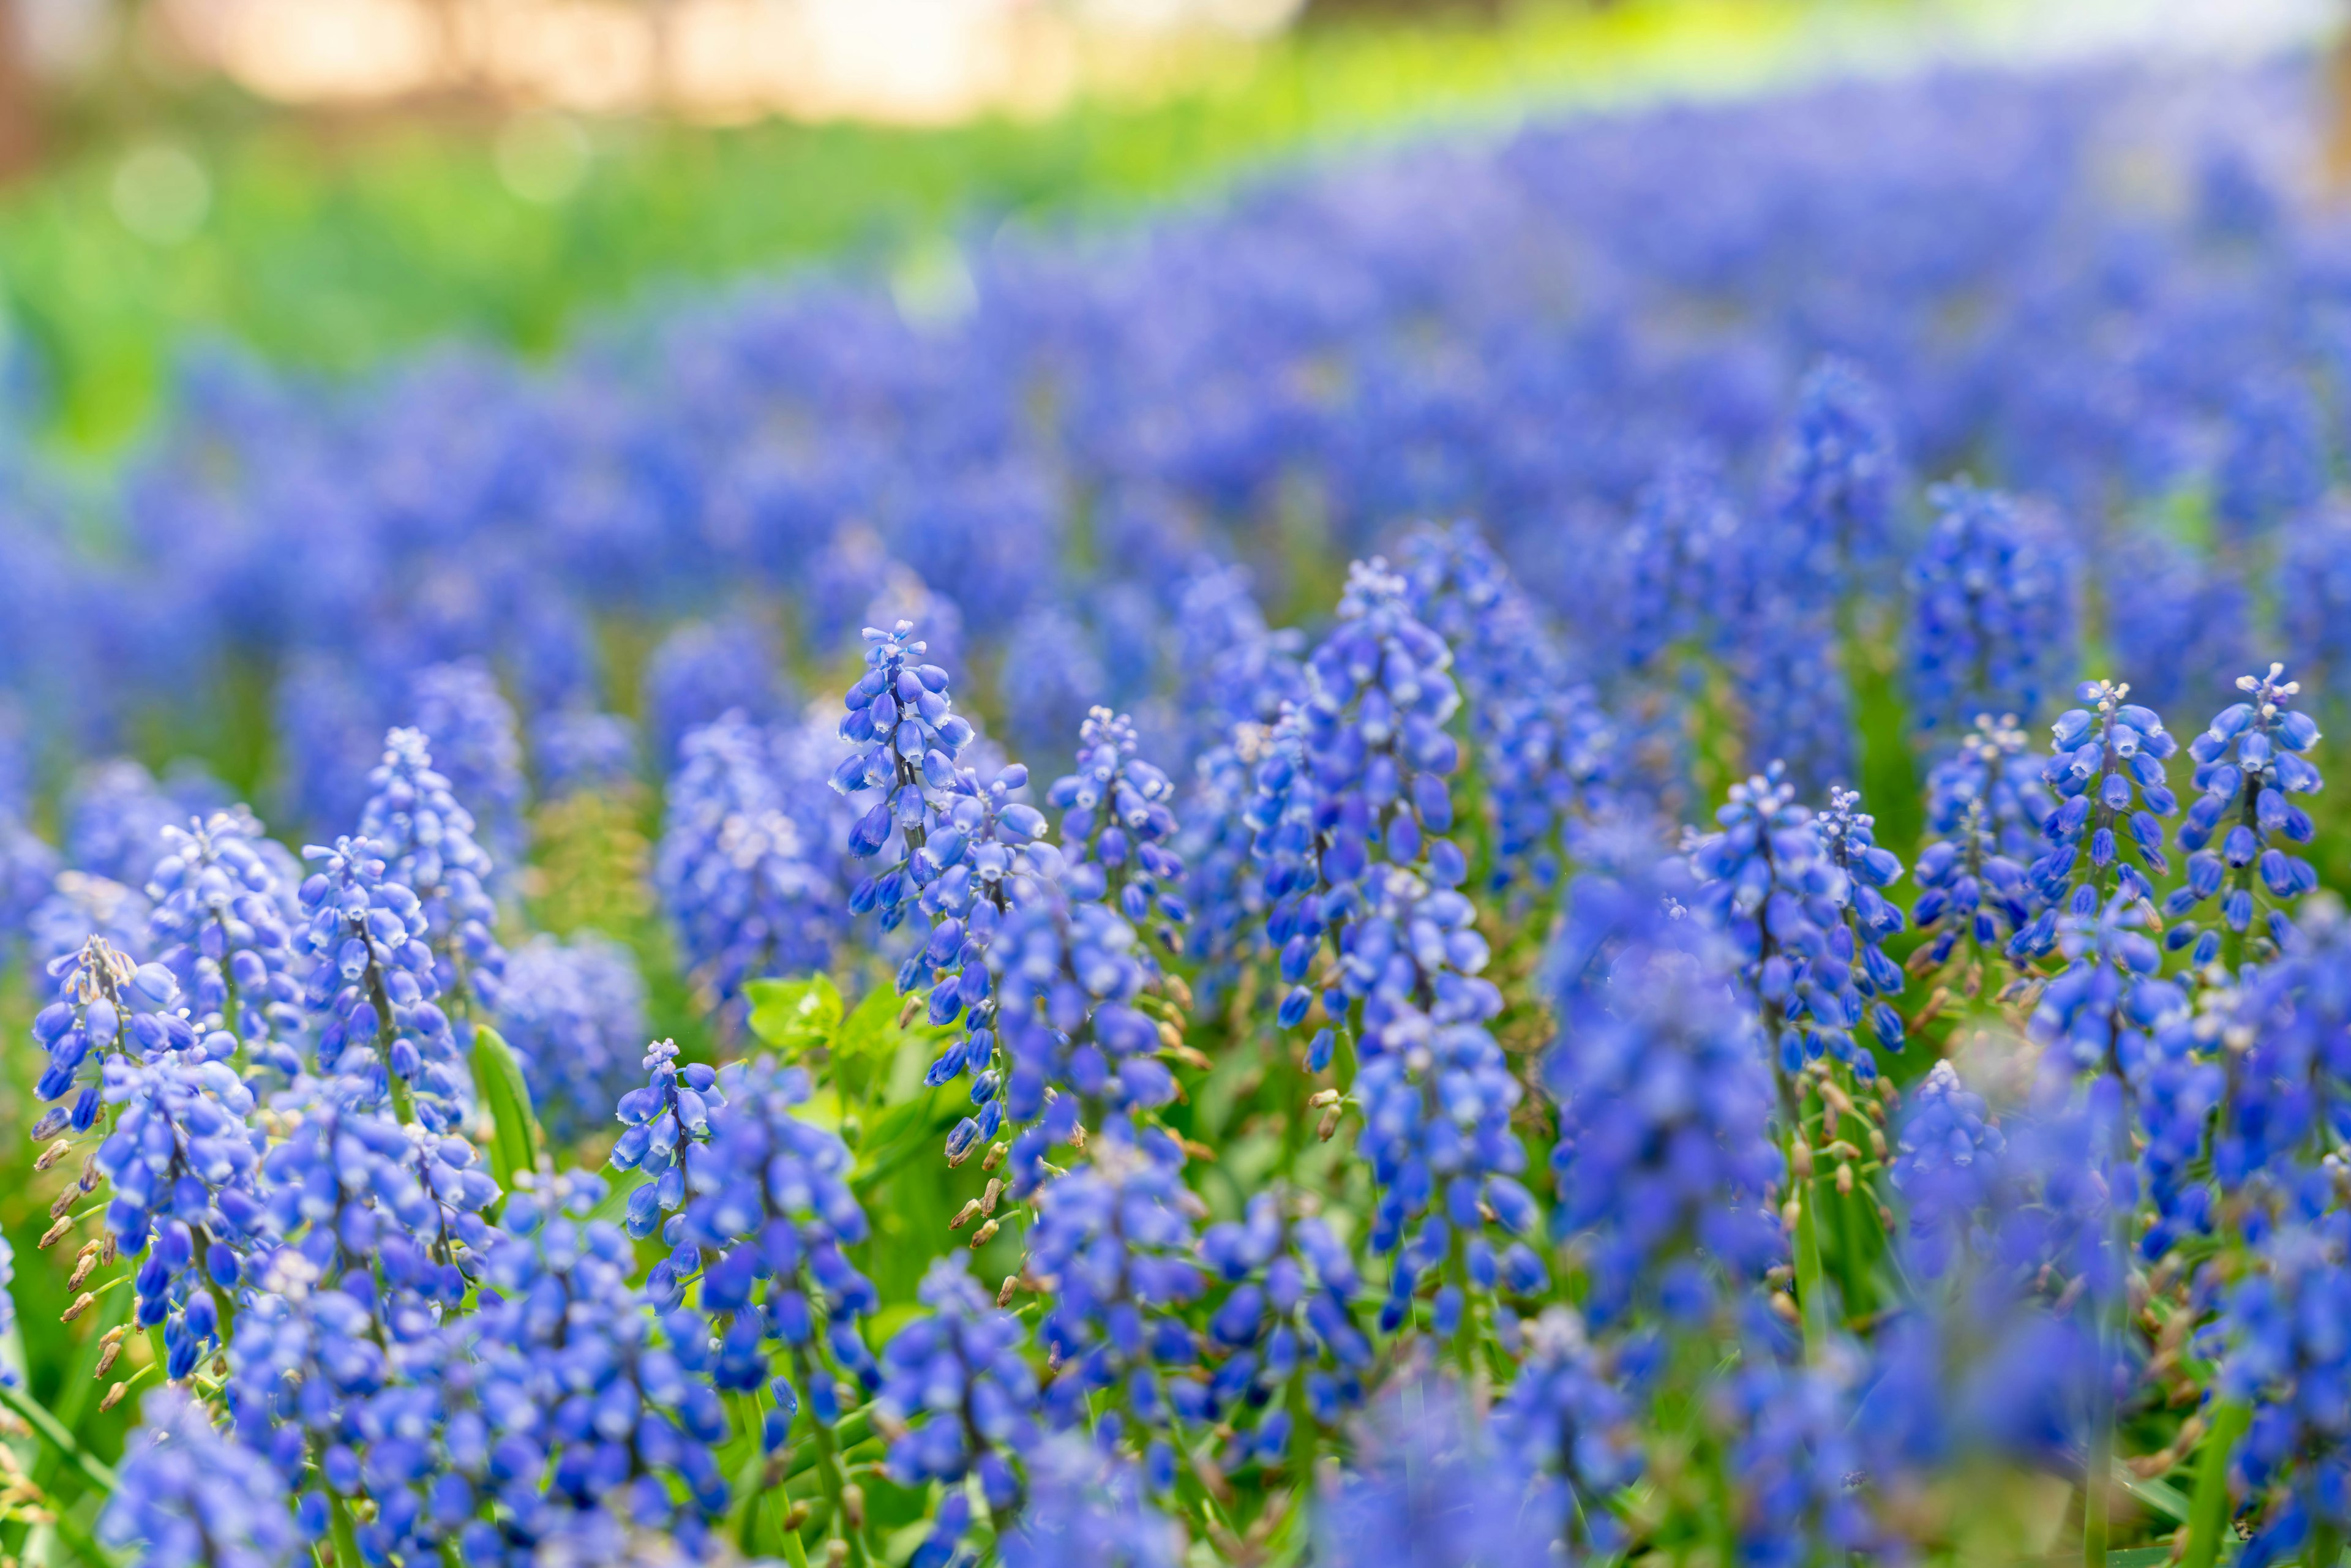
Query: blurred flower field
[{"x": 1602, "y": 842}]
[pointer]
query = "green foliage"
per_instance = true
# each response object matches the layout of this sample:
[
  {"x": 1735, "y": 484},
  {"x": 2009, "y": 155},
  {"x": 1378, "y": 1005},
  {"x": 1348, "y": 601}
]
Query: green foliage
[
  {"x": 795, "y": 1016},
  {"x": 515, "y": 1141}
]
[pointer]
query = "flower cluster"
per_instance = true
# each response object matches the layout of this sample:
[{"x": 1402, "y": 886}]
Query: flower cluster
[
  {"x": 2249, "y": 761},
  {"x": 1990, "y": 610},
  {"x": 425, "y": 838},
  {"x": 574, "y": 1014},
  {"x": 223, "y": 922},
  {"x": 374, "y": 986},
  {"x": 739, "y": 874}
]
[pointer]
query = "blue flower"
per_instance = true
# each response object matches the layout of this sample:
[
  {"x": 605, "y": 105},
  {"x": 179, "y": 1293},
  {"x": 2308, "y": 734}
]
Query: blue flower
[
  {"x": 577, "y": 752},
  {"x": 373, "y": 986},
  {"x": 574, "y": 1014},
  {"x": 2096, "y": 1015},
  {"x": 957, "y": 1397},
  {"x": 1767, "y": 882},
  {"x": 471, "y": 729},
  {"x": 702, "y": 670},
  {"x": 1987, "y": 812},
  {"x": 768, "y": 1215},
  {"x": 1087, "y": 1509},
  {"x": 1565, "y": 1418},
  {"x": 223, "y": 919},
  {"x": 667, "y": 1113},
  {"x": 1857, "y": 945},
  {"x": 1947, "y": 1160},
  {"x": 1545, "y": 749},
  {"x": 425, "y": 837},
  {"x": 1285, "y": 1331},
  {"x": 588, "y": 1403},
  {"x": 2107, "y": 771},
  {"x": 2250, "y": 762},
  {"x": 1833, "y": 479},
  {"x": 188, "y": 1497},
  {"x": 181, "y": 1168},
  {"x": 2274, "y": 461},
  {"x": 1664, "y": 1164},
  {"x": 1112, "y": 1246},
  {"x": 906, "y": 734},
  {"x": 105, "y": 1008},
  {"x": 738, "y": 870},
  {"x": 1117, "y": 827},
  {"x": 1991, "y": 611},
  {"x": 1430, "y": 1489}
]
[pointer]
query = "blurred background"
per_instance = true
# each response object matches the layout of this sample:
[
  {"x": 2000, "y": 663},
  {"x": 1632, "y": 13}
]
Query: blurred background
[{"x": 323, "y": 182}]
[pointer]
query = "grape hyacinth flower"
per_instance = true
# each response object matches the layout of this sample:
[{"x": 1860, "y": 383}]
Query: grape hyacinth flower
[
  {"x": 2107, "y": 772},
  {"x": 1946, "y": 1161},
  {"x": 189, "y": 1497},
  {"x": 223, "y": 909},
  {"x": 2096, "y": 1014},
  {"x": 425, "y": 837},
  {"x": 1116, "y": 828},
  {"x": 181, "y": 1165},
  {"x": 106, "y": 1007},
  {"x": 573, "y": 1013},
  {"x": 2283, "y": 1355},
  {"x": 1991, "y": 609},
  {"x": 577, "y": 752},
  {"x": 670, "y": 1112},
  {"x": 373, "y": 986},
  {"x": 907, "y": 734},
  {"x": 470, "y": 728},
  {"x": 1664, "y": 1164},
  {"x": 702, "y": 671},
  {"x": 1088, "y": 1509},
  {"x": 1792, "y": 1465},
  {"x": 1430, "y": 1489},
  {"x": 592, "y": 1402},
  {"x": 115, "y": 816},
  {"x": 1285, "y": 1331},
  {"x": 1987, "y": 812},
  {"x": 767, "y": 1216},
  {"x": 736, "y": 867},
  {"x": 1361, "y": 765},
  {"x": 1544, "y": 747},
  {"x": 1566, "y": 1420},
  {"x": 1768, "y": 883},
  {"x": 79, "y": 906},
  {"x": 1834, "y": 480},
  {"x": 957, "y": 1398},
  {"x": 2250, "y": 762},
  {"x": 1111, "y": 1247},
  {"x": 1857, "y": 945}
]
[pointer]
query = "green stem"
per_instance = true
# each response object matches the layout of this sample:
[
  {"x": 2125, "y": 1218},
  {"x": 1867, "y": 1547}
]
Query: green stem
[
  {"x": 52, "y": 1432},
  {"x": 2326, "y": 1546},
  {"x": 342, "y": 1533},
  {"x": 828, "y": 1467},
  {"x": 2208, "y": 1511}
]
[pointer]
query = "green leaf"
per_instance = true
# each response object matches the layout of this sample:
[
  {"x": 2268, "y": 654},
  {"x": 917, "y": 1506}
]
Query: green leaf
[
  {"x": 52, "y": 1432},
  {"x": 515, "y": 1142},
  {"x": 873, "y": 1033},
  {"x": 795, "y": 1016}
]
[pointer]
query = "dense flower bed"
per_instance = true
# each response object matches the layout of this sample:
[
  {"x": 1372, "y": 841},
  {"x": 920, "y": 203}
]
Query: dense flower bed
[{"x": 1341, "y": 1104}]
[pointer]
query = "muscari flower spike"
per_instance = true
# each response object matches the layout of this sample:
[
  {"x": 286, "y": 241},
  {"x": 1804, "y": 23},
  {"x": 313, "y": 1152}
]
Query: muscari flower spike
[
  {"x": 2249, "y": 763},
  {"x": 222, "y": 923},
  {"x": 107, "y": 1006},
  {"x": 2107, "y": 771}
]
